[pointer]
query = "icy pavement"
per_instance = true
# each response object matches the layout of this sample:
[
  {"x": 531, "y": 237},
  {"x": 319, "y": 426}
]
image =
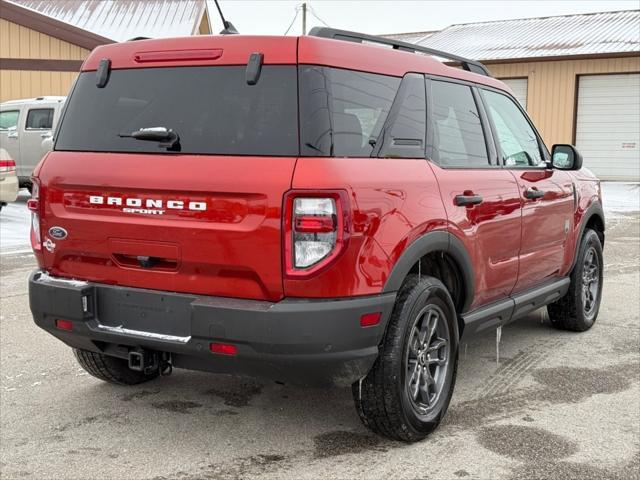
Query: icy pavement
[{"x": 15, "y": 222}]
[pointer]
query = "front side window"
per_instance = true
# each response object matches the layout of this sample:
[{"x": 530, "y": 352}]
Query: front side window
[
  {"x": 342, "y": 112},
  {"x": 40, "y": 119},
  {"x": 212, "y": 110},
  {"x": 458, "y": 137},
  {"x": 9, "y": 119},
  {"x": 517, "y": 140}
]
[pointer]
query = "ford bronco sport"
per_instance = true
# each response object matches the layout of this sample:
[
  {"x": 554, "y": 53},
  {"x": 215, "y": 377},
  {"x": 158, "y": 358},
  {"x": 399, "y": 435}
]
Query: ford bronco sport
[{"x": 314, "y": 210}]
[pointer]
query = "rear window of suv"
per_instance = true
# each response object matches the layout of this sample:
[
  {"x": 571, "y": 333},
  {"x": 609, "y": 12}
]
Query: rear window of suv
[{"x": 212, "y": 109}]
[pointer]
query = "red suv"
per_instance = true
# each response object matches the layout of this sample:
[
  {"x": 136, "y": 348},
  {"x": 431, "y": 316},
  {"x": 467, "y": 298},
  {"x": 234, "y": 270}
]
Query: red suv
[{"x": 314, "y": 210}]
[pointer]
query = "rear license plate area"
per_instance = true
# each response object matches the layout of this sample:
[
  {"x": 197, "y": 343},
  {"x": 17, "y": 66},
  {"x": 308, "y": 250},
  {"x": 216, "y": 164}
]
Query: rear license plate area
[{"x": 159, "y": 313}]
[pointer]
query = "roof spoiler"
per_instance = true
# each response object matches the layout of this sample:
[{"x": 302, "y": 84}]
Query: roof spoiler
[{"x": 335, "y": 34}]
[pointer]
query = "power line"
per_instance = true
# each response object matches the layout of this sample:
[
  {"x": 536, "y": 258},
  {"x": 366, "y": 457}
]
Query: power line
[
  {"x": 293, "y": 21},
  {"x": 313, "y": 12}
]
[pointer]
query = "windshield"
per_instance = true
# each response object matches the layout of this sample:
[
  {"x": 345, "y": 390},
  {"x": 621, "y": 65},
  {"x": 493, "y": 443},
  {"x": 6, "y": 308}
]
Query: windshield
[{"x": 212, "y": 109}]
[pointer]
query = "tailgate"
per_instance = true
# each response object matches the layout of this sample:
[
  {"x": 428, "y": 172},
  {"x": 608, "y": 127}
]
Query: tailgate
[{"x": 183, "y": 223}]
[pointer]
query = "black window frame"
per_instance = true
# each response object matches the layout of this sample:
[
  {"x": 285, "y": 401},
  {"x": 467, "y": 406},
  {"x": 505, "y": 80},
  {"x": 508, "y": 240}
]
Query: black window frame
[
  {"x": 489, "y": 139},
  {"x": 386, "y": 150},
  {"x": 544, "y": 151},
  {"x": 33, "y": 109}
]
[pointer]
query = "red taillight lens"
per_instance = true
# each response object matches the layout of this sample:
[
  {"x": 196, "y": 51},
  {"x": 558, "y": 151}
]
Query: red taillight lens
[
  {"x": 34, "y": 205},
  {"x": 223, "y": 348},
  {"x": 315, "y": 230},
  {"x": 370, "y": 319},
  {"x": 64, "y": 324},
  {"x": 7, "y": 166}
]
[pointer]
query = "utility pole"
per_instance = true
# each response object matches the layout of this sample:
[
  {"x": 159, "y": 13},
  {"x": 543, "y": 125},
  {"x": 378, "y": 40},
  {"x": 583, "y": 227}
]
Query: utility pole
[{"x": 304, "y": 18}]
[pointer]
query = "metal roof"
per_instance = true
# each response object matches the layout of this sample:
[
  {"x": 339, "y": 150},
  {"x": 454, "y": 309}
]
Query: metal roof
[
  {"x": 122, "y": 20},
  {"x": 410, "y": 37},
  {"x": 586, "y": 34}
]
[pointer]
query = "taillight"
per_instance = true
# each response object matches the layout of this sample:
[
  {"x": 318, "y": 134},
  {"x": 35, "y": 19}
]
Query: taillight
[
  {"x": 34, "y": 205},
  {"x": 7, "y": 166},
  {"x": 316, "y": 230}
]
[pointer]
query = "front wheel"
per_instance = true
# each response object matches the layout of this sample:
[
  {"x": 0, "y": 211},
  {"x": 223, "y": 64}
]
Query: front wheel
[
  {"x": 578, "y": 309},
  {"x": 407, "y": 392}
]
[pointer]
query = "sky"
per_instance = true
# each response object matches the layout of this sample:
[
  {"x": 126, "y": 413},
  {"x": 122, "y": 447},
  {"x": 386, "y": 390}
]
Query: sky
[{"x": 273, "y": 17}]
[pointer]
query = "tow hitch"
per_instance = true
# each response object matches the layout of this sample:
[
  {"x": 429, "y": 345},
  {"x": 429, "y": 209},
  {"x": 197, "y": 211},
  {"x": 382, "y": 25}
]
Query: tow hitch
[{"x": 150, "y": 362}]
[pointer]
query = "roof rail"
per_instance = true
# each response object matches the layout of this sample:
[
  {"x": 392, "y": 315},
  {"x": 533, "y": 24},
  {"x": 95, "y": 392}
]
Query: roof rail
[{"x": 335, "y": 34}]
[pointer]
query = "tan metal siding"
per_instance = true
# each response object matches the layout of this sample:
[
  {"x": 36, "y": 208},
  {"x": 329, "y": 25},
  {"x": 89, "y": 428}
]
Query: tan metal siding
[
  {"x": 16, "y": 84},
  {"x": 551, "y": 94},
  {"x": 17, "y": 41}
]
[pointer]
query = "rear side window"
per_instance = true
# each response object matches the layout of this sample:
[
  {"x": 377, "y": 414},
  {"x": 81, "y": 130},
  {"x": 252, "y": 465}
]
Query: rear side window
[
  {"x": 342, "y": 112},
  {"x": 212, "y": 109},
  {"x": 9, "y": 119},
  {"x": 458, "y": 137},
  {"x": 40, "y": 119}
]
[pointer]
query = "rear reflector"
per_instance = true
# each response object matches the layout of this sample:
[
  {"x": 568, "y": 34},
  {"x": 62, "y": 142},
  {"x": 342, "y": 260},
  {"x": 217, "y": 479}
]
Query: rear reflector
[
  {"x": 223, "y": 348},
  {"x": 64, "y": 324},
  {"x": 370, "y": 319},
  {"x": 33, "y": 204},
  {"x": 7, "y": 166}
]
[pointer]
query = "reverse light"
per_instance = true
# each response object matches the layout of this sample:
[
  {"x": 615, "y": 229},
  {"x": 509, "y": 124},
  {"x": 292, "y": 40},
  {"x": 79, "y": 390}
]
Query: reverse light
[
  {"x": 7, "y": 166},
  {"x": 64, "y": 324},
  {"x": 223, "y": 348},
  {"x": 315, "y": 230}
]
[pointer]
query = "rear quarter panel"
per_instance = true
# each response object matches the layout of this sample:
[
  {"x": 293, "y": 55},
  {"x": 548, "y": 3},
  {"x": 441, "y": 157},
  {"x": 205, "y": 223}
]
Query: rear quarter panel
[{"x": 392, "y": 202}]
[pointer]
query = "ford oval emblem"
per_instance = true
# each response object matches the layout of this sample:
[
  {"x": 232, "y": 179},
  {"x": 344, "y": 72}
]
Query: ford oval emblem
[{"x": 58, "y": 233}]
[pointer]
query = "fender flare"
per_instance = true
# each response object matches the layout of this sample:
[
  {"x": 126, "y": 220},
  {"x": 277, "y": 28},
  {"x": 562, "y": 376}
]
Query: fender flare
[
  {"x": 433, "y": 242},
  {"x": 593, "y": 210}
]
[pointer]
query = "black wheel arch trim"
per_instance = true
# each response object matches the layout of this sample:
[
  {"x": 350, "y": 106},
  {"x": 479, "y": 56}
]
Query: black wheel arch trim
[
  {"x": 593, "y": 210},
  {"x": 435, "y": 241}
]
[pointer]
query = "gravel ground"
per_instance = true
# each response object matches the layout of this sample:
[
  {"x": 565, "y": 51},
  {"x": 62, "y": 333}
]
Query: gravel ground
[{"x": 558, "y": 405}]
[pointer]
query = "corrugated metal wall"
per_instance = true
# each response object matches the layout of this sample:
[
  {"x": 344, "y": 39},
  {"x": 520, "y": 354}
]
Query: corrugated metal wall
[
  {"x": 17, "y": 41},
  {"x": 551, "y": 94}
]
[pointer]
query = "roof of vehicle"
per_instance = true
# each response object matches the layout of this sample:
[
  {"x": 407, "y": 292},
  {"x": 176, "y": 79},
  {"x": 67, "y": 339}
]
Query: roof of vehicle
[
  {"x": 46, "y": 99},
  {"x": 235, "y": 50}
]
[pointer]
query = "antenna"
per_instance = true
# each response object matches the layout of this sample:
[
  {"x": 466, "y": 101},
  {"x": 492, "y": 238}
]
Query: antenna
[{"x": 229, "y": 29}]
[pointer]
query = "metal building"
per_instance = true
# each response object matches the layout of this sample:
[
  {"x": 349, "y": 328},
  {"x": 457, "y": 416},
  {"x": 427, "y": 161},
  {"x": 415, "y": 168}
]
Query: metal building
[
  {"x": 43, "y": 42},
  {"x": 577, "y": 75}
]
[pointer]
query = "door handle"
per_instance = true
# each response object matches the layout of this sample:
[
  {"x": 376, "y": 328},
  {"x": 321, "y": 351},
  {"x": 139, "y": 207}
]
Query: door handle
[
  {"x": 12, "y": 135},
  {"x": 533, "y": 193},
  {"x": 46, "y": 135},
  {"x": 467, "y": 200}
]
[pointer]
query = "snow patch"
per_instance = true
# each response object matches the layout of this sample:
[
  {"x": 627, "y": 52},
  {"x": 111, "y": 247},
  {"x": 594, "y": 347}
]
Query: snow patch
[{"x": 620, "y": 197}]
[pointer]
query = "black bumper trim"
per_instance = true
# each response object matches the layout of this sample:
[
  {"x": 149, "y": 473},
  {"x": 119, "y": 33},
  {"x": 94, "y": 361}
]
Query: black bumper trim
[{"x": 302, "y": 341}]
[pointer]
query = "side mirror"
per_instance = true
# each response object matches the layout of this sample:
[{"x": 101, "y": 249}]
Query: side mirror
[{"x": 566, "y": 157}]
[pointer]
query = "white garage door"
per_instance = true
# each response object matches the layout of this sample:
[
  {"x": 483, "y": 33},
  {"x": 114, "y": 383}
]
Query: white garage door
[
  {"x": 519, "y": 87},
  {"x": 608, "y": 125}
]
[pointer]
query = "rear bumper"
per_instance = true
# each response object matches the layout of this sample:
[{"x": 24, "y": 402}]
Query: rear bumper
[
  {"x": 301, "y": 341},
  {"x": 8, "y": 189}
]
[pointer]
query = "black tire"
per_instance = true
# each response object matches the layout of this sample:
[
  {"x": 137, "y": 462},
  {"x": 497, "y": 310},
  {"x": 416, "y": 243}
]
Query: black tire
[
  {"x": 575, "y": 311},
  {"x": 111, "y": 369},
  {"x": 383, "y": 398}
]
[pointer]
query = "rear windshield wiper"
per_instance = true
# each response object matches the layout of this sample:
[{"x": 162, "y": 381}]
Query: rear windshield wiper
[{"x": 166, "y": 136}]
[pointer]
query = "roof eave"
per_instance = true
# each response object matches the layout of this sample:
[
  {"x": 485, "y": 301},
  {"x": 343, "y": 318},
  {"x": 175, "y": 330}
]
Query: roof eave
[{"x": 549, "y": 58}]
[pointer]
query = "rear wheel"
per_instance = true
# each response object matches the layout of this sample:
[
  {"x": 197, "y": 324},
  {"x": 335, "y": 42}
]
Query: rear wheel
[
  {"x": 578, "y": 309},
  {"x": 407, "y": 392},
  {"x": 111, "y": 369}
]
